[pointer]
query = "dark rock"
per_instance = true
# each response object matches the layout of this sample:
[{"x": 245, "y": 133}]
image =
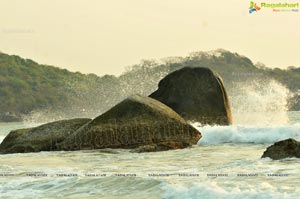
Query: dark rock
[
  {"x": 41, "y": 138},
  {"x": 163, "y": 146},
  {"x": 135, "y": 122},
  {"x": 283, "y": 149},
  {"x": 197, "y": 94}
]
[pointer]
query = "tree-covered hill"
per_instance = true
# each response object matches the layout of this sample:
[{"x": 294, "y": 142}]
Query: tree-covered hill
[
  {"x": 29, "y": 88},
  {"x": 26, "y": 85}
]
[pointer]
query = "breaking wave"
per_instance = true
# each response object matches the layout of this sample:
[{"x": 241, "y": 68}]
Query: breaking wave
[
  {"x": 259, "y": 102},
  {"x": 247, "y": 134}
]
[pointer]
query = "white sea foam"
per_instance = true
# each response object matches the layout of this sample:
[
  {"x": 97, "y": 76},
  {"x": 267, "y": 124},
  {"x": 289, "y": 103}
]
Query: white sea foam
[
  {"x": 247, "y": 134},
  {"x": 222, "y": 158},
  {"x": 208, "y": 190},
  {"x": 259, "y": 102}
]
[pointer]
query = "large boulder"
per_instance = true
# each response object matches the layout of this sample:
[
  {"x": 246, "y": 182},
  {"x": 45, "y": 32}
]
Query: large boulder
[
  {"x": 197, "y": 94},
  {"x": 288, "y": 148},
  {"x": 41, "y": 138},
  {"x": 137, "y": 122}
]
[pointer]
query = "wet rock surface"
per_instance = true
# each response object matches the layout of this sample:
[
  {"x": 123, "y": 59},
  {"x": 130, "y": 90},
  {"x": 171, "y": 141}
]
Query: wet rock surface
[
  {"x": 197, "y": 94},
  {"x": 135, "y": 122},
  {"x": 288, "y": 148}
]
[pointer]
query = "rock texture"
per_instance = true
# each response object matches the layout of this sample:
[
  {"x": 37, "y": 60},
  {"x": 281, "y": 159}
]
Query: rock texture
[
  {"x": 41, "y": 138},
  {"x": 135, "y": 122},
  {"x": 283, "y": 149},
  {"x": 197, "y": 94}
]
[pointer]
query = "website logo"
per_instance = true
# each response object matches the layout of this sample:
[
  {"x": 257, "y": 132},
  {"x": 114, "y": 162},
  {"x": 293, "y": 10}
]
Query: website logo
[
  {"x": 275, "y": 7},
  {"x": 253, "y": 7}
]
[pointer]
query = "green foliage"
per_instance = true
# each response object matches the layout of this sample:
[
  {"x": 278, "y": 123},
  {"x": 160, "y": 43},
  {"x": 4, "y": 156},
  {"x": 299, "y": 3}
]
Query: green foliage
[{"x": 26, "y": 85}]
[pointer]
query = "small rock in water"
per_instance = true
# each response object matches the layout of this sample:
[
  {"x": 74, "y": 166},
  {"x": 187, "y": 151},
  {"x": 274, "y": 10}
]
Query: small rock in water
[{"x": 288, "y": 148}]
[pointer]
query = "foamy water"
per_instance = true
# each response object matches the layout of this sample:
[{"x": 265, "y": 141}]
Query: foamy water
[
  {"x": 226, "y": 162},
  {"x": 259, "y": 102},
  {"x": 248, "y": 134},
  {"x": 230, "y": 159},
  {"x": 187, "y": 173}
]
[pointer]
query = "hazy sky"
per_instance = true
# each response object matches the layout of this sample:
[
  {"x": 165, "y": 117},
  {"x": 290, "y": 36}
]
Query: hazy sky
[{"x": 104, "y": 36}]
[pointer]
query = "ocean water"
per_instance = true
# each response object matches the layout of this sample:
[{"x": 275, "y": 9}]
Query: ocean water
[{"x": 226, "y": 163}]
